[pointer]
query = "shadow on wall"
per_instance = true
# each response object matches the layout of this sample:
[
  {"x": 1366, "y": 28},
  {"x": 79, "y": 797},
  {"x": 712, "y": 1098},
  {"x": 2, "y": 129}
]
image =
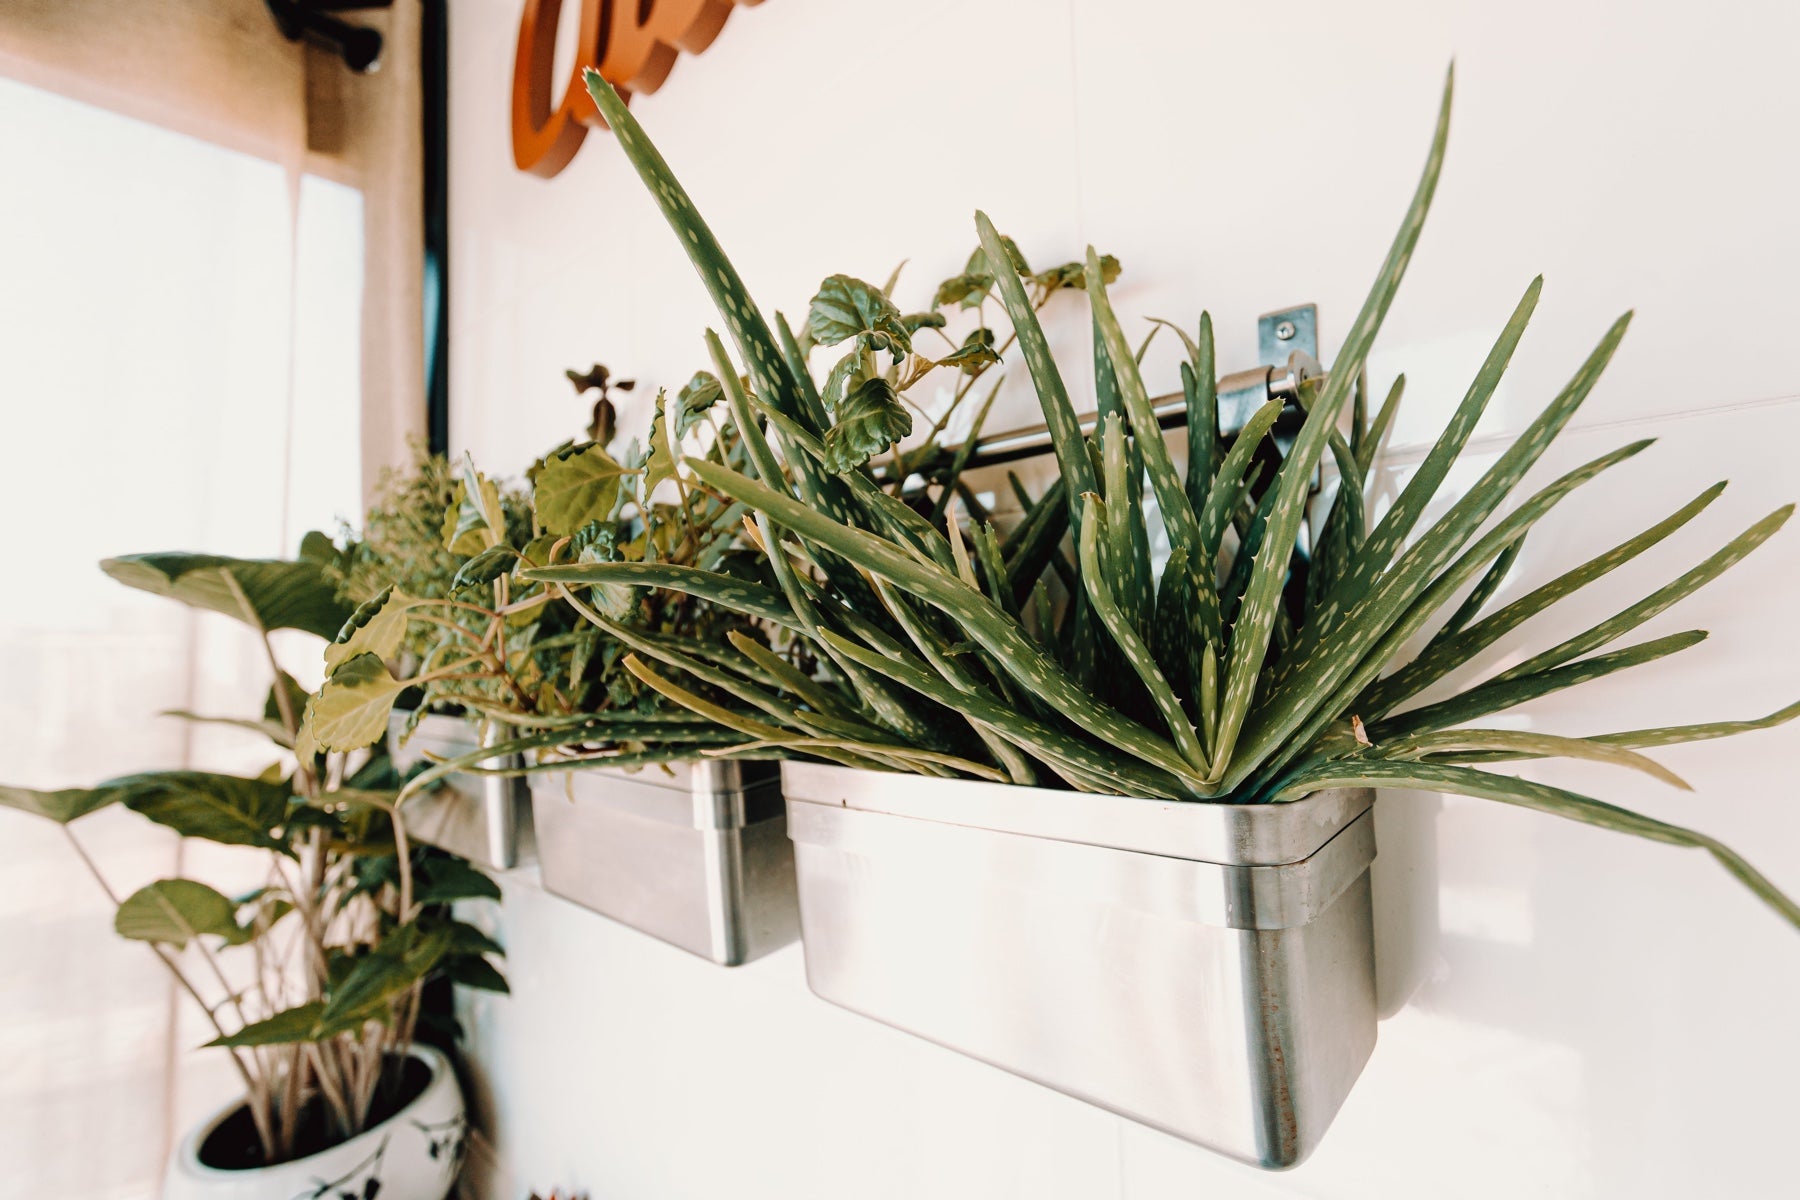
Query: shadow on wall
[{"x": 1404, "y": 891}]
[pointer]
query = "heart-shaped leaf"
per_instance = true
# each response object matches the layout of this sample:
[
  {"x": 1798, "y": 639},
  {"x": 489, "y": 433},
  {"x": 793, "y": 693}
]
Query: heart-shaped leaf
[
  {"x": 219, "y": 808},
  {"x": 576, "y": 486},
  {"x": 376, "y": 627},
  {"x": 172, "y": 912},
  {"x": 60, "y": 806},
  {"x": 271, "y": 593},
  {"x": 351, "y": 711}
]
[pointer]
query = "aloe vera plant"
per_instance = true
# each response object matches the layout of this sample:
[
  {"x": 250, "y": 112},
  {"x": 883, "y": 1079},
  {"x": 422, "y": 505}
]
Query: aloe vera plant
[{"x": 1060, "y": 651}]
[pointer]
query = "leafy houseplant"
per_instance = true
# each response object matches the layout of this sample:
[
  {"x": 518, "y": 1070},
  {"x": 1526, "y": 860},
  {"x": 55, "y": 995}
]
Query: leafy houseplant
[
  {"x": 1209, "y": 678},
  {"x": 313, "y": 981}
]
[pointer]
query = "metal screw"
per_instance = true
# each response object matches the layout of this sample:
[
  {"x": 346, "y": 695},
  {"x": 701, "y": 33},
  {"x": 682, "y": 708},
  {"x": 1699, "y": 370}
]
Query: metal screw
[{"x": 1285, "y": 331}]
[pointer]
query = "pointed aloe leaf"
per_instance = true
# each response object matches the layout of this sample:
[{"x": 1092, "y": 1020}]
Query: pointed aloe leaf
[
  {"x": 1370, "y": 446},
  {"x": 1481, "y": 593},
  {"x": 987, "y": 625},
  {"x": 1670, "y": 735},
  {"x": 1053, "y": 395},
  {"x": 722, "y": 282},
  {"x": 1136, "y": 652},
  {"x": 1440, "y": 658},
  {"x": 1227, "y": 487},
  {"x": 1464, "y": 781},
  {"x": 813, "y": 691},
  {"x": 1127, "y": 553},
  {"x": 1391, "y": 532},
  {"x": 937, "y": 652},
  {"x": 1436, "y": 594},
  {"x": 1126, "y": 776},
  {"x": 1518, "y": 744},
  {"x": 1294, "y": 701},
  {"x": 1171, "y": 495},
  {"x": 728, "y": 591},
  {"x": 1691, "y": 581},
  {"x": 1486, "y": 698},
  {"x": 812, "y": 409}
]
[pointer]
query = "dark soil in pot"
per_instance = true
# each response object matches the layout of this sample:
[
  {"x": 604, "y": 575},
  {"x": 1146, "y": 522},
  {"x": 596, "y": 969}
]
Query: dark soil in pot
[{"x": 233, "y": 1145}]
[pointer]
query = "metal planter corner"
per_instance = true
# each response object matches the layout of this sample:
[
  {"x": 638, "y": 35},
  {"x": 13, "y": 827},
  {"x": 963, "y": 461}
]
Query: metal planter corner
[
  {"x": 484, "y": 818},
  {"x": 1206, "y": 969},
  {"x": 693, "y": 853}
]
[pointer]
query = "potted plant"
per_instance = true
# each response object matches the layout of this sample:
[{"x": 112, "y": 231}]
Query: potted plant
[
  {"x": 314, "y": 983},
  {"x": 690, "y": 849},
  {"x": 1151, "y": 778}
]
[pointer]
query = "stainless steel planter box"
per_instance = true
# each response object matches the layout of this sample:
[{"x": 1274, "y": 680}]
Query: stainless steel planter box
[
  {"x": 1205, "y": 969},
  {"x": 696, "y": 854},
  {"x": 484, "y": 818}
]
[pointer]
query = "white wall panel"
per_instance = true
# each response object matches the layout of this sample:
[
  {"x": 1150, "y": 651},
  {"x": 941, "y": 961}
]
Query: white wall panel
[{"x": 1570, "y": 1013}]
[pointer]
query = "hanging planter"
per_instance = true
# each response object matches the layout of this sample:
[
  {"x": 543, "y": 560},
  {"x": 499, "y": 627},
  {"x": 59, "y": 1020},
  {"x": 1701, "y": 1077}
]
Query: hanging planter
[
  {"x": 1206, "y": 969},
  {"x": 694, "y": 853},
  {"x": 484, "y": 818}
]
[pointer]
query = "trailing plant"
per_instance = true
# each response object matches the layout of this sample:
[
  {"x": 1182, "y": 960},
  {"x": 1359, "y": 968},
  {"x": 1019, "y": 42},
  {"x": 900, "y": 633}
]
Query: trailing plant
[
  {"x": 311, "y": 982},
  {"x": 1190, "y": 679}
]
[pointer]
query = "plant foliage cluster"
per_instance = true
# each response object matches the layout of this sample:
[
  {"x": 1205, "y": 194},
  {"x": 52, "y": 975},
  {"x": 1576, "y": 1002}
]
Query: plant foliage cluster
[
  {"x": 1060, "y": 652},
  {"x": 313, "y": 981}
]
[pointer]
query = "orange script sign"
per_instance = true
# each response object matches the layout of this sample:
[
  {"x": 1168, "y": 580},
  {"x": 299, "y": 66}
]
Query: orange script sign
[{"x": 633, "y": 43}]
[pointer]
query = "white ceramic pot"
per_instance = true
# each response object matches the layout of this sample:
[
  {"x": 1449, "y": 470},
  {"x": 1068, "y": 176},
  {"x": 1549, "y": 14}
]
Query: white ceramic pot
[{"x": 413, "y": 1155}]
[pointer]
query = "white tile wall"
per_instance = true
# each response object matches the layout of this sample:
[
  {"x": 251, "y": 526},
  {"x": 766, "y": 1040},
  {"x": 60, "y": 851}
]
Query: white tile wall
[{"x": 1570, "y": 1014}]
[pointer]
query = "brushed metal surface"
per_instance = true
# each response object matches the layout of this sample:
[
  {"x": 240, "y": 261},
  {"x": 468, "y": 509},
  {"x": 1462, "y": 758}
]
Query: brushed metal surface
[
  {"x": 1220, "y": 988},
  {"x": 484, "y": 818},
  {"x": 696, "y": 854}
]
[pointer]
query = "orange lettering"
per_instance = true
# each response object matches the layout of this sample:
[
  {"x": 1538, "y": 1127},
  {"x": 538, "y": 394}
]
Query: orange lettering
[{"x": 633, "y": 43}]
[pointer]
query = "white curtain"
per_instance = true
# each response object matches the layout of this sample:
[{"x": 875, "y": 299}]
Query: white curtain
[{"x": 209, "y": 340}]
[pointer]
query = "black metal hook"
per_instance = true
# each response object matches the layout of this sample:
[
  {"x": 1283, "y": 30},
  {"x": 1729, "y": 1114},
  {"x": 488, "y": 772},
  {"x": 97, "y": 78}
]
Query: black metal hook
[{"x": 312, "y": 20}]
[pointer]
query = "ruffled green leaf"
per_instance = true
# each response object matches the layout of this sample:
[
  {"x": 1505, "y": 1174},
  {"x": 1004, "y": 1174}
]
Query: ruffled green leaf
[{"x": 869, "y": 420}]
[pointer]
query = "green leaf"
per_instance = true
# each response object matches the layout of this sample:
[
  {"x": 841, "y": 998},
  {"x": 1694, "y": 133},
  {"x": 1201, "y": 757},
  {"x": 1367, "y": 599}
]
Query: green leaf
[
  {"x": 869, "y": 420},
  {"x": 403, "y": 958},
  {"x": 62, "y": 806},
  {"x": 1517, "y": 744},
  {"x": 444, "y": 878},
  {"x": 1136, "y": 652},
  {"x": 484, "y": 568},
  {"x": 298, "y": 1024},
  {"x": 473, "y": 971},
  {"x": 981, "y": 261},
  {"x": 473, "y": 521},
  {"x": 698, "y": 395},
  {"x": 1076, "y": 275},
  {"x": 576, "y": 486},
  {"x": 1444, "y": 656},
  {"x": 974, "y": 355},
  {"x": 1001, "y": 636},
  {"x": 351, "y": 711},
  {"x": 1065, "y": 430},
  {"x": 376, "y": 627},
  {"x": 1670, "y": 735},
  {"x": 172, "y": 912},
  {"x": 219, "y": 808},
  {"x": 846, "y": 307},
  {"x": 1658, "y": 601},
  {"x": 965, "y": 291},
  {"x": 1465, "y": 781},
  {"x": 1494, "y": 697},
  {"x": 923, "y": 320},
  {"x": 275, "y": 594},
  {"x": 739, "y": 595}
]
